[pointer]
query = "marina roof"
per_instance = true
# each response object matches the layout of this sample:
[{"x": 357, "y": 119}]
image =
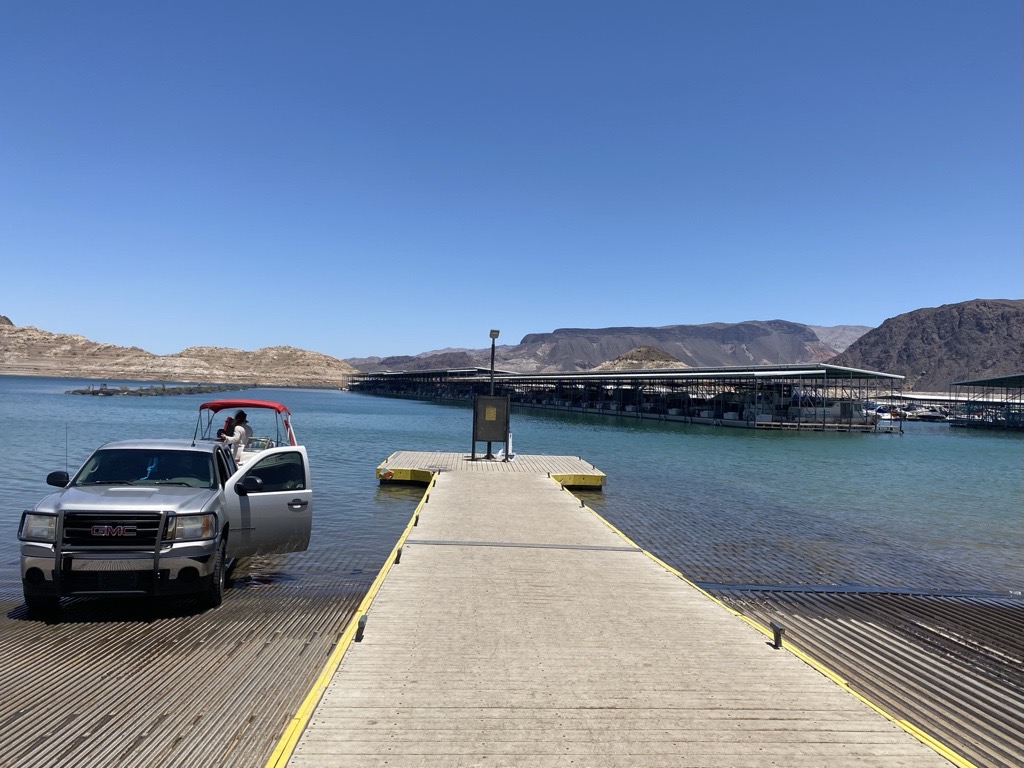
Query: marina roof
[
  {"x": 461, "y": 372},
  {"x": 797, "y": 370},
  {"x": 726, "y": 372},
  {"x": 1013, "y": 380}
]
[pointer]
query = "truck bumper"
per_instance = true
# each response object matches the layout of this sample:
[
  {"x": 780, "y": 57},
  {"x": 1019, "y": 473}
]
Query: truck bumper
[{"x": 50, "y": 574}]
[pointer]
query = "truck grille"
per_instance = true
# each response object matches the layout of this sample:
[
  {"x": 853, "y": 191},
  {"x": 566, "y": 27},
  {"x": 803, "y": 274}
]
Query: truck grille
[
  {"x": 127, "y": 530},
  {"x": 109, "y": 581}
]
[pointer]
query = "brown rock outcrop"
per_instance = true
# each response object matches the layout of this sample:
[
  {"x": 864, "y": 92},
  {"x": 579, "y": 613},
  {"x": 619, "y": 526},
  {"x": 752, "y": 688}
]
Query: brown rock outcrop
[
  {"x": 936, "y": 346},
  {"x": 31, "y": 351},
  {"x": 641, "y": 359}
]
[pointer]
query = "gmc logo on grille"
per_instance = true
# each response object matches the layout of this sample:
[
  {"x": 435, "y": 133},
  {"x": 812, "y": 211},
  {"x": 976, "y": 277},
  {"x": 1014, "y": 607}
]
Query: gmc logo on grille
[{"x": 113, "y": 530}]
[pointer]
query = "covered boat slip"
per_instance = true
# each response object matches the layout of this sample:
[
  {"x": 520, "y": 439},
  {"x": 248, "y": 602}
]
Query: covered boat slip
[
  {"x": 813, "y": 396},
  {"x": 992, "y": 403},
  {"x": 516, "y": 627}
]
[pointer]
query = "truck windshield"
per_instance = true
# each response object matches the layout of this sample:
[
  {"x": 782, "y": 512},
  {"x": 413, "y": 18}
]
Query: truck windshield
[{"x": 134, "y": 466}]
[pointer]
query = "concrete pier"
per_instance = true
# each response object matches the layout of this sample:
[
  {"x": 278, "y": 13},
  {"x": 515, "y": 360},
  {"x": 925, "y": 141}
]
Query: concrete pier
[{"x": 515, "y": 627}]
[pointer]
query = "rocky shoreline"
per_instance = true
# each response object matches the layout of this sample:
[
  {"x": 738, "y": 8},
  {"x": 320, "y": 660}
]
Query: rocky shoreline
[
  {"x": 28, "y": 351},
  {"x": 156, "y": 390}
]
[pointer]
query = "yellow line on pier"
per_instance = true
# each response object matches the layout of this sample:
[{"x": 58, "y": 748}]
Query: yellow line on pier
[
  {"x": 517, "y": 630},
  {"x": 286, "y": 745},
  {"x": 910, "y": 728}
]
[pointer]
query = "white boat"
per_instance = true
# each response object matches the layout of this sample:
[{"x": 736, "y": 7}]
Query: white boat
[
  {"x": 272, "y": 419},
  {"x": 931, "y": 414}
]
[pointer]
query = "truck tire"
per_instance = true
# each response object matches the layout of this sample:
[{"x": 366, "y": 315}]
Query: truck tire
[
  {"x": 214, "y": 594},
  {"x": 42, "y": 605}
]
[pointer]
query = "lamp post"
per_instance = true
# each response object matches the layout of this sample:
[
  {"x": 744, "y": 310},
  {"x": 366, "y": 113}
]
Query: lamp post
[{"x": 494, "y": 337}]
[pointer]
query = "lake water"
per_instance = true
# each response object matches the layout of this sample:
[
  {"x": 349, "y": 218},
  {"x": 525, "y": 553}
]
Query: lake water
[{"x": 934, "y": 509}]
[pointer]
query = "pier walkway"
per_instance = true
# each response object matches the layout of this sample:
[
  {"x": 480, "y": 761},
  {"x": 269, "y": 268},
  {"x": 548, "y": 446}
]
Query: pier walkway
[{"x": 518, "y": 628}]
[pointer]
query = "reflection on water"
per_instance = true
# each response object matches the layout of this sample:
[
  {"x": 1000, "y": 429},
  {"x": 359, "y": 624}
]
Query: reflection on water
[
  {"x": 262, "y": 571},
  {"x": 932, "y": 509}
]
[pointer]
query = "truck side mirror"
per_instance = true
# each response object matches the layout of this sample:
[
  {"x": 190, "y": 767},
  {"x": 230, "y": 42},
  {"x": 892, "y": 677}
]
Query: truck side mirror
[
  {"x": 248, "y": 484},
  {"x": 58, "y": 479}
]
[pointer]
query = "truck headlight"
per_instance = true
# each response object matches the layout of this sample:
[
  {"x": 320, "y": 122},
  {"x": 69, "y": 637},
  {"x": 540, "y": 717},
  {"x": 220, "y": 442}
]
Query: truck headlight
[
  {"x": 191, "y": 527},
  {"x": 38, "y": 527}
]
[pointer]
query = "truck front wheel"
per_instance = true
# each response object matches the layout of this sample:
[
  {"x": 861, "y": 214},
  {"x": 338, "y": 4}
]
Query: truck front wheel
[
  {"x": 214, "y": 594},
  {"x": 42, "y": 605}
]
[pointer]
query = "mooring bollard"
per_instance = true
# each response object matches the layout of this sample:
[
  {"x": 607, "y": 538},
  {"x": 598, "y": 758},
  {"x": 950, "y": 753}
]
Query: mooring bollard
[
  {"x": 777, "y": 632},
  {"x": 398, "y": 556},
  {"x": 360, "y": 627}
]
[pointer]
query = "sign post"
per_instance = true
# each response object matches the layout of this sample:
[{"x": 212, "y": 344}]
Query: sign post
[{"x": 491, "y": 422}]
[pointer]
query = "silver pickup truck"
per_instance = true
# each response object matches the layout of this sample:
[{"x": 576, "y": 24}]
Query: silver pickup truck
[{"x": 162, "y": 517}]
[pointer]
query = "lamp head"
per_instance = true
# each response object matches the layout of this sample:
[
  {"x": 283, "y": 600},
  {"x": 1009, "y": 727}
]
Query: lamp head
[{"x": 494, "y": 333}]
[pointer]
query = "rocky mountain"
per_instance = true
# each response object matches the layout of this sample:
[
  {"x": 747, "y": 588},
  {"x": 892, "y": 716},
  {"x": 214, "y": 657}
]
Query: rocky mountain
[
  {"x": 930, "y": 347},
  {"x": 937, "y": 346},
  {"x": 577, "y": 349},
  {"x": 426, "y": 361},
  {"x": 839, "y": 337},
  {"x": 30, "y": 351},
  {"x": 641, "y": 358}
]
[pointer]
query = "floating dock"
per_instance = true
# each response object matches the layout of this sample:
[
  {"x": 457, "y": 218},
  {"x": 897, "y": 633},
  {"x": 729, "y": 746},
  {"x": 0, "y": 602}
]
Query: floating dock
[
  {"x": 514, "y": 626},
  {"x": 421, "y": 466}
]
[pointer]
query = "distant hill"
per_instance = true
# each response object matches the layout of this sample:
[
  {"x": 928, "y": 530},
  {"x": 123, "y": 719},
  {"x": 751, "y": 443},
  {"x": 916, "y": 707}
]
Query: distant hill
[
  {"x": 754, "y": 342},
  {"x": 935, "y": 347},
  {"x": 930, "y": 347},
  {"x": 426, "y": 361},
  {"x": 641, "y": 359},
  {"x": 839, "y": 337},
  {"x": 30, "y": 351}
]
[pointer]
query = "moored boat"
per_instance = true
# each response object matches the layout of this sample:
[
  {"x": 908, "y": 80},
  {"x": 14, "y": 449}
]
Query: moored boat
[
  {"x": 271, "y": 420},
  {"x": 931, "y": 414}
]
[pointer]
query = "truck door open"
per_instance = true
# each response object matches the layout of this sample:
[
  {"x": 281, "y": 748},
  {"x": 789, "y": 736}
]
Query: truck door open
[{"x": 278, "y": 517}]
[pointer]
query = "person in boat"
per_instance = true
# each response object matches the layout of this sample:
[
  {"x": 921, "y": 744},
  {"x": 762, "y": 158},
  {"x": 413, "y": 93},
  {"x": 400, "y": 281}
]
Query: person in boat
[
  {"x": 239, "y": 434},
  {"x": 228, "y": 429}
]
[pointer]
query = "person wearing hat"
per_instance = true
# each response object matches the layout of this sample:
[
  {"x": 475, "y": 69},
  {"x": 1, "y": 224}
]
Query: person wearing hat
[{"x": 241, "y": 434}]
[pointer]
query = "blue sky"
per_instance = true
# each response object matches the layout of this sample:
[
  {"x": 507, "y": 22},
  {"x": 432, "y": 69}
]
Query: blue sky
[{"x": 382, "y": 178}]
